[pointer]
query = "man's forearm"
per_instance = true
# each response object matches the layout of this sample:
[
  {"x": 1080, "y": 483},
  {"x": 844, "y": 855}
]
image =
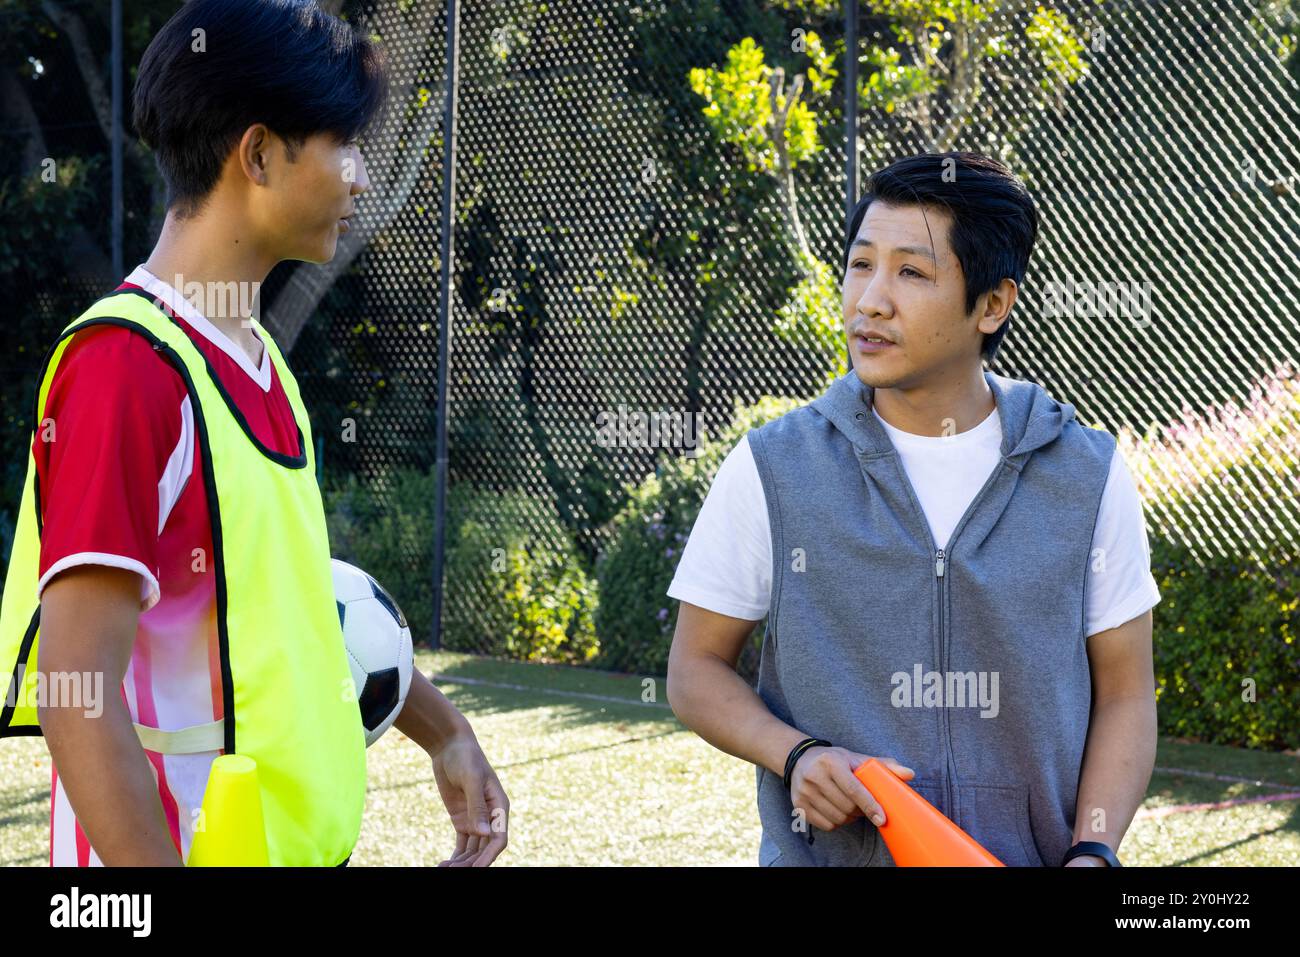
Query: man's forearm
[
  {"x": 110, "y": 785},
  {"x": 711, "y": 699},
  {"x": 428, "y": 718},
  {"x": 1117, "y": 763}
]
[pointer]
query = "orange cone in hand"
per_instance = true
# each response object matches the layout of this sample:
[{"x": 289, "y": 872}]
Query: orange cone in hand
[{"x": 915, "y": 832}]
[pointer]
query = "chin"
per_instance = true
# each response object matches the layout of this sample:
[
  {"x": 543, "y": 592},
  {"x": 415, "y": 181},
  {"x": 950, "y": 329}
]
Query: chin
[
  {"x": 321, "y": 254},
  {"x": 875, "y": 378}
]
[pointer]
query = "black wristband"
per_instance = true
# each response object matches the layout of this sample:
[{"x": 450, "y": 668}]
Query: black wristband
[
  {"x": 1095, "y": 849},
  {"x": 797, "y": 752}
]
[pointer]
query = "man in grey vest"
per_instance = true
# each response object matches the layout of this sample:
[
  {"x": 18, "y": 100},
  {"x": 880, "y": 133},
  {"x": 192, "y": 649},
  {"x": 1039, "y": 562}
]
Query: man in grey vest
[{"x": 954, "y": 570}]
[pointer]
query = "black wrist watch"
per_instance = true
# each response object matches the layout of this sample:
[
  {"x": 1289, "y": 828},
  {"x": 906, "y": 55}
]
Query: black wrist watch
[{"x": 1094, "y": 849}]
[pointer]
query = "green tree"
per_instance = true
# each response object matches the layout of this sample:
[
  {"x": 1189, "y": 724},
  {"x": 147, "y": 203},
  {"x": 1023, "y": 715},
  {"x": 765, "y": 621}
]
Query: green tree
[
  {"x": 747, "y": 104},
  {"x": 948, "y": 63},
  {"x": 55, "y": 249}
]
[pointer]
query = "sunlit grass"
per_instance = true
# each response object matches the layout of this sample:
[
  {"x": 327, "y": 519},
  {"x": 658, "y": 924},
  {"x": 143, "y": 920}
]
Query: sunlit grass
[{"x": 620, "y": 782}]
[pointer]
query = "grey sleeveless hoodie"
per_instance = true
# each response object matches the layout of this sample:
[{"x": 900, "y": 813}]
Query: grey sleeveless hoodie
[{"x": 864, "y": 606}]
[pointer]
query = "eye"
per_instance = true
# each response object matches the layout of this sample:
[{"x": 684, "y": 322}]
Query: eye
[
  {"x": 912, "y": 271},
  {"x": 861, "y": 262}
]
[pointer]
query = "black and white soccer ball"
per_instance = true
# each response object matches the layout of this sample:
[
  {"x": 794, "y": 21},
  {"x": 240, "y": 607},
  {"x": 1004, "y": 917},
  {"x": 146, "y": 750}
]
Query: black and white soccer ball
[{"x": 378, "y": 642}]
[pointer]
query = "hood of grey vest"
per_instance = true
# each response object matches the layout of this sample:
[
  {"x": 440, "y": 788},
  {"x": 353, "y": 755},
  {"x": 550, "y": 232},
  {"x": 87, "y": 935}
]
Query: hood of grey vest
[{"x": 1030, "y": 418}]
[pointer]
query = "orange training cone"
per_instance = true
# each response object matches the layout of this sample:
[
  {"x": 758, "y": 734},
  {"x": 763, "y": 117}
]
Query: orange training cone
[{"x": 915, "y": 832}]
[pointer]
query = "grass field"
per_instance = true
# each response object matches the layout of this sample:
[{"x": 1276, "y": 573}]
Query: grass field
[{"x": 597, "y": 777}]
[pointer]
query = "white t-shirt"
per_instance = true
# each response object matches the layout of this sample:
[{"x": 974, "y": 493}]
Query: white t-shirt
[{"x": 726, "y": 566}]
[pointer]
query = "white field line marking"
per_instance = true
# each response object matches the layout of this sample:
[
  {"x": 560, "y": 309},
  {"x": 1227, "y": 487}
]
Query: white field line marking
[
  {"x": 451, "y": 679},
  {"x": 1215, "y": 805},
  {"x": 1226, "y": 777}
]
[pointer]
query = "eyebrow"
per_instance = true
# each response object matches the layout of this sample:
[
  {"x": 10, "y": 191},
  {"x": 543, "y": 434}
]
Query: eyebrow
[{"x": 910, "y": 250}]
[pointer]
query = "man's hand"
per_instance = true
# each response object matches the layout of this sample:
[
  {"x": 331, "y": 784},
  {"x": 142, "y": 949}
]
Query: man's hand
[
  {"x": 1086, "y": 860},
  {"x": 824, "y": 787},
  {"x": 475, "y": 801},
  {"x": 474, "y": 798}
]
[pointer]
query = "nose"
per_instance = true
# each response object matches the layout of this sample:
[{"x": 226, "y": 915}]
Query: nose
[
  {"x": 875, "y": 300},
  {"x": 361, "y": 180}
]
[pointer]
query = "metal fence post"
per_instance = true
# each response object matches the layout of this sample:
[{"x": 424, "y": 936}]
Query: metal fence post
[
  {"x": 850, "y": 125},
  {"x": 444, "y": 318},
  {"x": 850, "y": 108},
  {"x": 115, "y": 147}
]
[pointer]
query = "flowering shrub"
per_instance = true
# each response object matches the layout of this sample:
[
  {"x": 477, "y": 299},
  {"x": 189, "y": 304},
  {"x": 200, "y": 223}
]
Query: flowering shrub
[
  {"x": 1226, "y": 481},
  {"x": 1223, "y": 488}
]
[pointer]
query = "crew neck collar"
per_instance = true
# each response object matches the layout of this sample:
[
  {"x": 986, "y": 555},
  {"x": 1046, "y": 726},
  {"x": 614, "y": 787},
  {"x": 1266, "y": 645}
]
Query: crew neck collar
[
  {"x": 167, "y": 294},
  {"x": 991, "y": 423}
]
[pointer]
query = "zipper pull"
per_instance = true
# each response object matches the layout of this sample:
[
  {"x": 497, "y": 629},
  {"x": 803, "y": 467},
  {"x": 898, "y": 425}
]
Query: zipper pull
[{"x": 938, "y": 563}]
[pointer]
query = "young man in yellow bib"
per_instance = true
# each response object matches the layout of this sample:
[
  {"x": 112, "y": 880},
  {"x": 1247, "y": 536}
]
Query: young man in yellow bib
[{"x": 172, "y": 537}]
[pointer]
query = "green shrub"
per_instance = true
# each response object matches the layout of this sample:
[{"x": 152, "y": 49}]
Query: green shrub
[
  {"x": 636, "y": 618},
  {"x": 388, "y": 531},
  {"x": 812, "y": 319},
  {"x": 1215, "y": 627},
  {"x": 514, "y": 585}
]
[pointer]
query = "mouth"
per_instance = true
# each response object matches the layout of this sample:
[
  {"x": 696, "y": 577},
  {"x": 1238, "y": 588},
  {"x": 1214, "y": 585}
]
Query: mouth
[
  {"x": 871, "y": 345},
  {"x": 344, "y": 225}
]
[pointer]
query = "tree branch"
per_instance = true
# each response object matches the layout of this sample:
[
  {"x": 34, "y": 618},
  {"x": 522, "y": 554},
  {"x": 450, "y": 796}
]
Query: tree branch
[
  {"x": 394, "y": 170},
  {"x": 18, "y": 110},
  {"x": 71, "y": 24},
  {"x": 966, "y": 74}
]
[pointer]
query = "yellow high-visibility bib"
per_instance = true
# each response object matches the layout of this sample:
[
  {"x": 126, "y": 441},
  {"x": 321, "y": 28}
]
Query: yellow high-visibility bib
[{"x": 286, "y": 687}]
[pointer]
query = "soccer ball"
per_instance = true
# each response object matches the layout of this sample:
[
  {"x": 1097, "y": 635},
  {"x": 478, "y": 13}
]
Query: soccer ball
[{"x": 379, "y": 648}]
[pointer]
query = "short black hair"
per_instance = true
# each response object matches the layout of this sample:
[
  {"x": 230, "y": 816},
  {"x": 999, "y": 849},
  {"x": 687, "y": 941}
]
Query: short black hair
[
  {"x": 285, "y": 63},
  {"x": 994, "y": 222}
]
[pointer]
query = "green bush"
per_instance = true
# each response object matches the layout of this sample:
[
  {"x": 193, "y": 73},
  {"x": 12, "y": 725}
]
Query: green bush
[
  {"x": 812, "y": 319},
  {"x": 1219, "y": 481},
  {"x": 388, "y": 531},
  {"x": 1215, "y": 627},
  {"x": 514, "y": 585},
  {"x": 636, "y": 619}
]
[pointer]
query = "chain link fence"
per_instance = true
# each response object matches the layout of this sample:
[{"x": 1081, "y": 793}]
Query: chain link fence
[
  {"x": 622, "y": 257},
  {"x": 615, "y": 258}
]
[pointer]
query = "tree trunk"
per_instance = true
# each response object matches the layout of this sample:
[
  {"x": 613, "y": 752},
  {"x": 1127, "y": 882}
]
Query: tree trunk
[
  {"x": 784, "y": 171},
  {"x": 394, "y": 168}
]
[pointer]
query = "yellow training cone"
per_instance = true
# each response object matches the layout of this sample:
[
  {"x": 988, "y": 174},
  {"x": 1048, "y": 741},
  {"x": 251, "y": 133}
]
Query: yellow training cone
[{"x": 229, "y": 831}]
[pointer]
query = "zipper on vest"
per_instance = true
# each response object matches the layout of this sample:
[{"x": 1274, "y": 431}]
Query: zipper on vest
[
  {"x": 940, "y": 567},
  {"x": 940, "y": 561}
]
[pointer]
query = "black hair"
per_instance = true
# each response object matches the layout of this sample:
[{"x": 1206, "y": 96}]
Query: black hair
[
  {"x": 994, "y": 222},
  {"x": 284, "y": 63}
]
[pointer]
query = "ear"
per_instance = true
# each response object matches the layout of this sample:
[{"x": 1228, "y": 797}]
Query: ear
[
  {"x": 994, "y": 306},
  {"x": 254, "y": 153}
]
